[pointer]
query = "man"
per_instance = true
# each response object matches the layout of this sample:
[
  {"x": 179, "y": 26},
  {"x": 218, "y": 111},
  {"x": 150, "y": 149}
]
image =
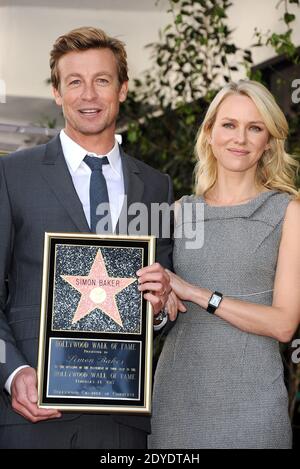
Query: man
[{"x": 49, "y": 188}]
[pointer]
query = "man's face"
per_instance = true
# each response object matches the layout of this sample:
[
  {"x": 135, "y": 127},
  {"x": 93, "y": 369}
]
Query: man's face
[{"x": 89, "y": 92}]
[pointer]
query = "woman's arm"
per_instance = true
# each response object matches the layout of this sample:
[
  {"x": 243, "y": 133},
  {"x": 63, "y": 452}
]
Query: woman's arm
[{"x": 280, "y": 320}]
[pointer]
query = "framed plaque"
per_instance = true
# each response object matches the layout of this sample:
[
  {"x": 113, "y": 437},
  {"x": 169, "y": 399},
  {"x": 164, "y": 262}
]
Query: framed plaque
[{"x": 95, "y": 346}]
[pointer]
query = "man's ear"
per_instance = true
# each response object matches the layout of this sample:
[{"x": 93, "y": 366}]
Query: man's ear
[
  {"x": 57, "y": 96},
  {"x": 123, "y": 92}
]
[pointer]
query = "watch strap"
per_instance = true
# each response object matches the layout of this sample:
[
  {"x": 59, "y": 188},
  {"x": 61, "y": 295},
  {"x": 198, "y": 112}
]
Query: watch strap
[{"x": 211, "y": 308}]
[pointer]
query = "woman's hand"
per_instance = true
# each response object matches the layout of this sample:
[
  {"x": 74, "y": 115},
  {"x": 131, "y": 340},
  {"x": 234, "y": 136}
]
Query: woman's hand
[
  {"x": 182, "y": 289},
  {"x": 174, "y": 305}
]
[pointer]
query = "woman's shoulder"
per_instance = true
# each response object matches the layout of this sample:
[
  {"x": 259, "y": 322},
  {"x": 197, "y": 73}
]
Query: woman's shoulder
[
  {"x": 278, "y": 199},
  {"x": 188, "y": 199},
  {"x": 293, "y": 210},
  {"x": 291, "y": 228},
  {"x": 275, "y": 206}
]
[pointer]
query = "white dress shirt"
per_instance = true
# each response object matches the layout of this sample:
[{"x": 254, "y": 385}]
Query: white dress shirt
[{"x": 81, "y": 174}]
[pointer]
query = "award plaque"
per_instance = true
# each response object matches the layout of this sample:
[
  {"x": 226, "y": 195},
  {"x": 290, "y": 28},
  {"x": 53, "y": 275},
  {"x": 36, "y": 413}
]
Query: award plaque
[{"x": 95, "y": 346}]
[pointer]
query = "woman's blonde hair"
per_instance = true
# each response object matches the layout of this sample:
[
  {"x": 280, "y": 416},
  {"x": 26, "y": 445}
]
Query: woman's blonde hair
[{"x": 276, "y": 168}]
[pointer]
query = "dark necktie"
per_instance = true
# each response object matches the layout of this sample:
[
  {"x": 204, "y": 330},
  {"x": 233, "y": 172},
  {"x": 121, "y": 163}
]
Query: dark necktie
[{"x": 98, "y": 193}]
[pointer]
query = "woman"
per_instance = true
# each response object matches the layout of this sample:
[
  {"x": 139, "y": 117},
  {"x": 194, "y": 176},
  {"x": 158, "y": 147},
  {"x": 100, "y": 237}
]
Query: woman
[{"x": 219, "y": 381}]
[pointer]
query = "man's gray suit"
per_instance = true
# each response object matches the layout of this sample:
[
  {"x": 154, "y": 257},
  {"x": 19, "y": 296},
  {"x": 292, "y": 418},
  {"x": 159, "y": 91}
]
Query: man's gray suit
[{"x": 37, "y": 195}]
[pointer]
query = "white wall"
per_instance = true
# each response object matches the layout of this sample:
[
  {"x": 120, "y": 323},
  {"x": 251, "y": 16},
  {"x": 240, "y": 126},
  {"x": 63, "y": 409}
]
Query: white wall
[
  {"x": 30, "y": 33},
  {"x": 246, "y": 15},
  {"x": 3, "y": 22},
  {"x": 27, "y": 34}
]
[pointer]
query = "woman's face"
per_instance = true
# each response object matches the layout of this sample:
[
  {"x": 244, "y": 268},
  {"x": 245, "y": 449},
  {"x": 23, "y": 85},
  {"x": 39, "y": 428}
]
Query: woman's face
[{"x": 239, "y": 136}]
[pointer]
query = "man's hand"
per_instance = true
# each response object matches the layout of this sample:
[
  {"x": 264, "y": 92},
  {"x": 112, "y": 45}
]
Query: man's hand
[
  {"x": 174, "y": 306},
  {"x": 24, "y": 397},
  {"x": 155, "y": 281}
]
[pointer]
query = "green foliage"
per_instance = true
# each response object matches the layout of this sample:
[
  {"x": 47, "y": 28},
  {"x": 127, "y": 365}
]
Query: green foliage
[
  {"x": 194, "y": 56},
  {"x": 167, "y": 142},
  {"x": 193, "y": 52},
  {"x": 281, "y": 43}
]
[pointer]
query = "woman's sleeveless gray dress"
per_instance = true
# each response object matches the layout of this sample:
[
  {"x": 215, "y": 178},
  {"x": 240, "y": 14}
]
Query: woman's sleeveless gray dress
[{"x": 215, "y": 385}]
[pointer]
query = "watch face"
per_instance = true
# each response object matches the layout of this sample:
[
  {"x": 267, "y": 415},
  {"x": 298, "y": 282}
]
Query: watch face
[{"x": 215, "y": 300}]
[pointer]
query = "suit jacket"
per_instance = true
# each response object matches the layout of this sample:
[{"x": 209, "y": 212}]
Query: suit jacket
[{"x": 37, "y": 195}]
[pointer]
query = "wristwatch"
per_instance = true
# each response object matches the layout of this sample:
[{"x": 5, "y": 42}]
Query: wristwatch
[
  {"x": 160, "y": 319},
  {"x": 214, "y": 302}
]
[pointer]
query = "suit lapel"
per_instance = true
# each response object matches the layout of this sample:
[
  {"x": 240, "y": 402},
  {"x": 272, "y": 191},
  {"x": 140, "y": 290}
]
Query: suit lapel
[
  {"x": 134, "y": 189},
  {"x": 55, "y": 172}
]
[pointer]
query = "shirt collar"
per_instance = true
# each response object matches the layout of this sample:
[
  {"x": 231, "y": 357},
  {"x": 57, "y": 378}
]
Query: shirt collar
[{"x": 74, "y": 154}]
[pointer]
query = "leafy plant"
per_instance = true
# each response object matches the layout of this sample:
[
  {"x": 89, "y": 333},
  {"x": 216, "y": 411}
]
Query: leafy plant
[
  {"x": 194, "y": 56},
  {"x": 281, "y": 43}
]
